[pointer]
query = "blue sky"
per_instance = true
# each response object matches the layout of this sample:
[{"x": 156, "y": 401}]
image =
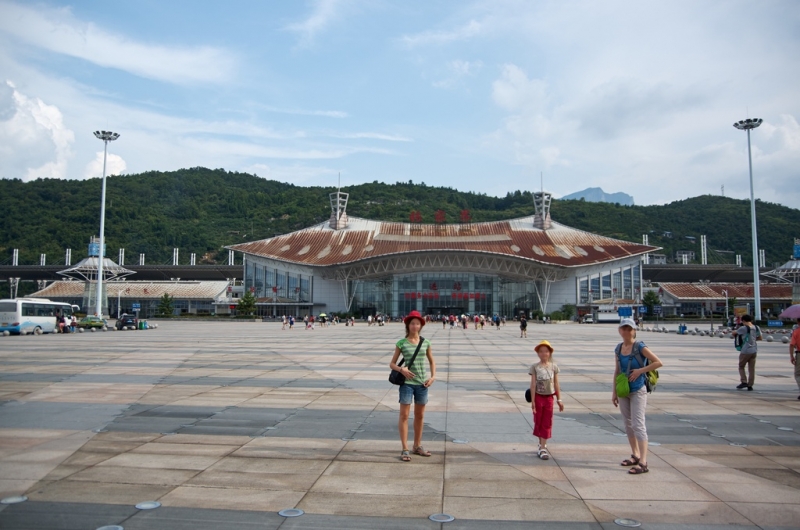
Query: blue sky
[{"x": 481, "y": 96}]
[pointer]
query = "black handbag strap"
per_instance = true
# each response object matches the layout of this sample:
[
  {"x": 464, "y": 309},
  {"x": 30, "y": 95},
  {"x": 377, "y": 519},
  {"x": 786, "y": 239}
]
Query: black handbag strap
[{"x": 421, "y": 340}]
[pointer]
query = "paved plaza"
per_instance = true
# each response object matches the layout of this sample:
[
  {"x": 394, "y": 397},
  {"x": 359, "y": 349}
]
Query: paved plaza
[{"x": 227, "y": 423}]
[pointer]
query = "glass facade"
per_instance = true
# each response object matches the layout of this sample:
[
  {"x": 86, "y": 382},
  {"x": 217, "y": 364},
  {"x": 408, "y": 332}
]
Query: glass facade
[
  {"x": 445, "y": 293},
  {"x": 619, "y": 284},
  {"x": 278, "y": 292}
]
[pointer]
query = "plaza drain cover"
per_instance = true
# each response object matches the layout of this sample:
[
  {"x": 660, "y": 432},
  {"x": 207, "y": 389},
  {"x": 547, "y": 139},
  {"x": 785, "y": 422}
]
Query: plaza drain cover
[
  {"x": 148, "y": 505},
  {"x": 568, "y": 419},
  {"x": 100, "y": 430},
  {"x": 16, "y": 499},
  {"x": 670, "y": 414},
  {"x": 737, "y": 445},
  {"x": 784, "y": 428},
  {"x": 629, "y": 523},
  {"x": 620, "y": 434},
  {"x": 168, "y": 433},
  {"x": 698, "y": 427},
  {"x": 346, "y": 439},
  {"x": 656, "y": 444},
  {"x": 291, "y": 512},
  {"x": 764, "y": 421},
  {"x": 111, "y": 527},
  {"x": 356, "y": 430},
  {"x": 459, "y": 441},
  {"x": 687, "y": 421},
  {"x": 441, "y": 518},
  {"x": 717, "y": 435}
]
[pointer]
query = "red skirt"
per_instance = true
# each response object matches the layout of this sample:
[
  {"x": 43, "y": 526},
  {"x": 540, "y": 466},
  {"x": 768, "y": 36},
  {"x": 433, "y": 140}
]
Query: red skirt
[{"x": 543, "y": 417}]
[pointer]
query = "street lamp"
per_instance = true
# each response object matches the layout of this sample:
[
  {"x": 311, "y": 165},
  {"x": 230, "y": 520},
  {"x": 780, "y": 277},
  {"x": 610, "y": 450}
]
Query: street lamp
[
  {"x": 747, "y": 125},
  {"x": 106, "y": 136},
  {"x": 726, "y": 306}
]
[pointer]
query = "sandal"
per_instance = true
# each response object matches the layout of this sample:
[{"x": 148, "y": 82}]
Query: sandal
[
  {"x": 638, "y": 470},
  {"x": 421, "y": 452},
  {"x": 543, "y": 454},
  {"x": 405, "y": 456},
  {"x": 632, "y": 461}
]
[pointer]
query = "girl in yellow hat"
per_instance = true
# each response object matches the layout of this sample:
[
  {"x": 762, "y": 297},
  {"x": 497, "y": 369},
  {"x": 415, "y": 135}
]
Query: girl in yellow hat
[{"x": 544, "y": 385}]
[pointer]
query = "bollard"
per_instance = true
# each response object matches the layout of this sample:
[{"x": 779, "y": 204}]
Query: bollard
[
  {"x": 6, "y": 333},
  {"x": 80, "y": 330},
  {"x": 785, "y": 339},
  {"x": 769, "y": 338},
  {"x": 91, "y": 330}
]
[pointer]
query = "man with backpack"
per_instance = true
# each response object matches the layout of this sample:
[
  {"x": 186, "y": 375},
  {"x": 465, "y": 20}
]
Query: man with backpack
[{"x": 745, "y": 340}]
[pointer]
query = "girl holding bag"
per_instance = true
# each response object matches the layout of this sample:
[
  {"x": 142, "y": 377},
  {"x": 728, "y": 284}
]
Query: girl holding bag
[
  {"x": 634, "y": 359},
  {"x": 544, "y": 387}
]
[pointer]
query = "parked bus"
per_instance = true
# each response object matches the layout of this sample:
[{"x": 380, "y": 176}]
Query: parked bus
[{"x": 32, "y": 315}]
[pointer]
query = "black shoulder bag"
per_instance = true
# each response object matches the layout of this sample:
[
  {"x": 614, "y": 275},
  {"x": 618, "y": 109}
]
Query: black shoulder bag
[{"x": 395, "y": 377}]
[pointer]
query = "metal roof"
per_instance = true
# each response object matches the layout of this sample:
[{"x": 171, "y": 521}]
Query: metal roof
[
  {"x": 714, "y": 291},
  {"x": 364, "y": 239},
  {"x": 139, "y": 290}
]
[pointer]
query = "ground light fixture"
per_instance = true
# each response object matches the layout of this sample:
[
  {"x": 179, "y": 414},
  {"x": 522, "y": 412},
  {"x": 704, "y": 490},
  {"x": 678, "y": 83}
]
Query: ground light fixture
[
  {"x": 106, "y": 136},
  {"x": 748, "y": 125}
]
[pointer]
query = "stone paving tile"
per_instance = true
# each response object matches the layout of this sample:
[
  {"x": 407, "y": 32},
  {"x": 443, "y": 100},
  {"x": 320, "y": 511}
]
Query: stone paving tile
[{"x": 259, "y": 420}]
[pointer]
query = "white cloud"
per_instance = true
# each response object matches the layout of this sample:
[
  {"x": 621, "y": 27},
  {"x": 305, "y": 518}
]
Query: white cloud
[
  {"x": 467, "y": 31},
  {"x": 457, "y": 70},
  {"x": 304, "y": 112},
  {"x": 515, "y": 92},
  {"x": 373, "y": 136},
  {"x": 34, "y": 142},
  {"x": 115, "y": 165},
  {"x": 324, "y": 12},
  {"x": 59, "y": 31}
]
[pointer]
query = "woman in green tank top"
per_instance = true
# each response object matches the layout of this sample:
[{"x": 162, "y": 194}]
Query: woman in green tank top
[{"x": 417, "y": 382}]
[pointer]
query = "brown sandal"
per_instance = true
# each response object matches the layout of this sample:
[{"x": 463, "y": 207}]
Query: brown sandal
[
  {"x": 632, "y": 461},
  {"x": 638, "y": 470},
  {"x": 421, "y": 452}
]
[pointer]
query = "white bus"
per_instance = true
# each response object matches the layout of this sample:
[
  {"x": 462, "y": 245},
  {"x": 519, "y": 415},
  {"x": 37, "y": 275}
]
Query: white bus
[{"x": 32, "y": 315}]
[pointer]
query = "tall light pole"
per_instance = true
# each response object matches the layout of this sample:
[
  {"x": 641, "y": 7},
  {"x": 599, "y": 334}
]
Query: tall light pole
[
  {"x": 106, "y": 136},
  {"x": 747, "y": 125},
  {"x": 726, "y": 305}
]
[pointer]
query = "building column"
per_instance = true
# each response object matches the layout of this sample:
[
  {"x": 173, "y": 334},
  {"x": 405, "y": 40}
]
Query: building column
[
  {"x": 419, "y": 290},
  {"x": 395, "y": 297},
  {"x": 471, "y": 289}
]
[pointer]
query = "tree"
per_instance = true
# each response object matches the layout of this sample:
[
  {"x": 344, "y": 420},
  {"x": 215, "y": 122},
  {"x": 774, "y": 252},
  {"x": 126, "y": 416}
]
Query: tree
[
  {"x": 165, "y": 307},
  {"x": 247, "y": 304},
  {"x": 568, "y": 310},
  {"x": 649, "y": 300}
]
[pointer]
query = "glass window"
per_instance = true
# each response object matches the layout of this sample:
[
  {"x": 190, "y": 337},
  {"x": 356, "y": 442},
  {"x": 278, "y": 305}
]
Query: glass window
[
  {"x": 8, "y": 307},
  {"x": 584, "y": 291},
  {"x": 627, "y": 285}
]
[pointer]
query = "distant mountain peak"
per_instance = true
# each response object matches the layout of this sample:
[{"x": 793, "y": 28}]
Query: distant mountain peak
[{"x": 598, "y": 195}]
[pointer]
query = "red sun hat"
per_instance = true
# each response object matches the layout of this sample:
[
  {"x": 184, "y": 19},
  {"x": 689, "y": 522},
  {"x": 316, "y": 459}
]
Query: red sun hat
[{"x": 414, "y": 314}]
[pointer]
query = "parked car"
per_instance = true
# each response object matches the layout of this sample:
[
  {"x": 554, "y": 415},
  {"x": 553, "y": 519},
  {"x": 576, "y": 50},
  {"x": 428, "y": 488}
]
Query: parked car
[
  {"x": 126, "y": 321},
  {"x": 588, "y": 319},
  {"x": 92, "y": 322}
]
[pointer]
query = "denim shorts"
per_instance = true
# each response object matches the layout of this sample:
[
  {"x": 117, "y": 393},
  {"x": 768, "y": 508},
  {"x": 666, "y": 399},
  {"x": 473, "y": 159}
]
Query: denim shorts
[{"x": 418, "y": 392}]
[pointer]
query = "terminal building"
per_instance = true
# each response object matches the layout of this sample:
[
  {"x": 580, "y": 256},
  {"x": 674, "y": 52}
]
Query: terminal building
[{"x": 510, "y": 267}]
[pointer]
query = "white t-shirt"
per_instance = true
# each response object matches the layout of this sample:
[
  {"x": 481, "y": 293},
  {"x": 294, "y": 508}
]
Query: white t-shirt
[{"x": 545, "y": 377}]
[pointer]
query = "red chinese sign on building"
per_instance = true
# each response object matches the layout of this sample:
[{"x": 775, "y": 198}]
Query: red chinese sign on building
[
  {"x": 440, "y": 216},
  {"x": 415, "y": 216},
  {"x": 465, "y": 216}
]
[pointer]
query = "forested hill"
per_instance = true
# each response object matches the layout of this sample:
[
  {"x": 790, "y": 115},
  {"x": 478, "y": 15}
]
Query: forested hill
[{"x": 200, "y": 210}]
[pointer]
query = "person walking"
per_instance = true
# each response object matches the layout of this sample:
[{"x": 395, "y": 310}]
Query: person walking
[
  {"x": 749, "y": 333},
  {"x": 635, "y": 359},
  {"x": 416, "y": 385},
  {"x": 794, "y": 353},
  {"x": 291, "y": 322},
  {"x": 544, "y": 386},
  {"x": 283, "y": 324},
  {"x": 523, "y": 327}
]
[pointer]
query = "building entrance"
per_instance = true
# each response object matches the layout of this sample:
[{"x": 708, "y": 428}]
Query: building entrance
[{"x": 435, "y": 311}]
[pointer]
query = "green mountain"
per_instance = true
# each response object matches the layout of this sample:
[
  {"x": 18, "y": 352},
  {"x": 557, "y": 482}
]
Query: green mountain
[{"x": 201, "y": 210}]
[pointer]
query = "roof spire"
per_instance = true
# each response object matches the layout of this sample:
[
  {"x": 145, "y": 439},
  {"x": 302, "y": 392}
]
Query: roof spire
[{"x": 338, "y": 218}]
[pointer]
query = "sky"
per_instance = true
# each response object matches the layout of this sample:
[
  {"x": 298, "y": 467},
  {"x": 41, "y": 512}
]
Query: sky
[{"x": 484, "y": 96}]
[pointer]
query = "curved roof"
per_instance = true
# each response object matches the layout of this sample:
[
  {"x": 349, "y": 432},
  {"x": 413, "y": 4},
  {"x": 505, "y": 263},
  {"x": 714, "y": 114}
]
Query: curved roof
[{"x": 363, "y": 239}]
